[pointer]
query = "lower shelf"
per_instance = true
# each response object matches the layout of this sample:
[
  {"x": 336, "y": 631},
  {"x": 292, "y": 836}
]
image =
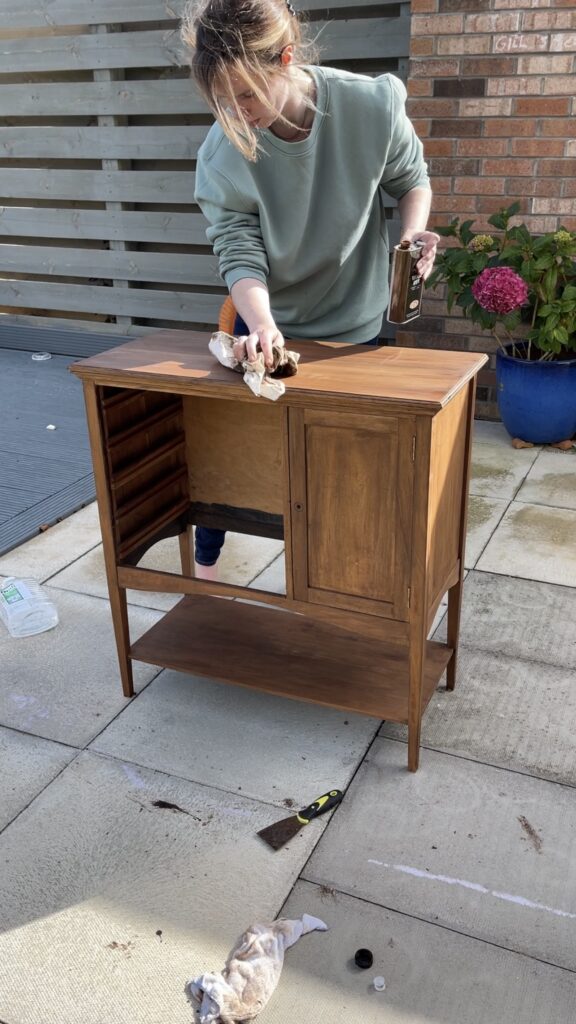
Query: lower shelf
[{"x": 288, "y": 655}]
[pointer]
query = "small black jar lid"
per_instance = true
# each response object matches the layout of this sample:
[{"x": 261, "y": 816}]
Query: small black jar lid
[{"x": 363, "y": 958}]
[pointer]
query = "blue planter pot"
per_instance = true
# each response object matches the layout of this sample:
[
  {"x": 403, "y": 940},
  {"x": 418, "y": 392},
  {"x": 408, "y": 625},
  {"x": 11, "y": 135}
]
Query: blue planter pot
[{"x": 537, "y": 400}]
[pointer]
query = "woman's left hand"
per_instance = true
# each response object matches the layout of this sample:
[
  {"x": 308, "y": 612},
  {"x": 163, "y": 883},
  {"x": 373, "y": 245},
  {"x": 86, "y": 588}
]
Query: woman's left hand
[{"x": 426, "y": 261}]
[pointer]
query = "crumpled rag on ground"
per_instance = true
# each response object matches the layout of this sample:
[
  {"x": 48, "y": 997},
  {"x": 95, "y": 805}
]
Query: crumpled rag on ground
[
  {"x": 261, "y": 380},
  {"x": 251, "y": 973}
]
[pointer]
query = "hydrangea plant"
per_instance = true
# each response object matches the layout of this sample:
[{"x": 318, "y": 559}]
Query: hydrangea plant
[{"x": 513, "y": 284}]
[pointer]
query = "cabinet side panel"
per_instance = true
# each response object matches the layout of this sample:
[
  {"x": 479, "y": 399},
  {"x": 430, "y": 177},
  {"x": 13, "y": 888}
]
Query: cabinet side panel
[{"x": 447, "y": 475}]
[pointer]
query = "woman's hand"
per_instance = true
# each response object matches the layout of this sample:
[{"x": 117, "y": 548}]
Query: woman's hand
[
  {"x": 426, "y": 261},
  {"x": 262, "y": 338}
]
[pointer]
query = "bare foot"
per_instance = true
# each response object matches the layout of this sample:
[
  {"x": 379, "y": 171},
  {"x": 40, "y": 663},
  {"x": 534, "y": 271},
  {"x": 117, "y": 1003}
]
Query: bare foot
[{"x": 206, "y": 572}]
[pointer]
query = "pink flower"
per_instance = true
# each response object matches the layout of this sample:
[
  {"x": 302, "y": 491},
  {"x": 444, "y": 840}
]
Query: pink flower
[{"x": 500, "y": 290}]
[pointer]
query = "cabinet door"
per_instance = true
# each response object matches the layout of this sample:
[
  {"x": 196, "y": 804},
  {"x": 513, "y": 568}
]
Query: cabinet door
[{"x": 351, "y": 483}]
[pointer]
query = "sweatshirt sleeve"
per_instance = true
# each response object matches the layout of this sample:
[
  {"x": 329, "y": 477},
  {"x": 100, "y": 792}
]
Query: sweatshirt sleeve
[
  {"x": 405, "y": 166},
  {"x": 234, "y": 226}
]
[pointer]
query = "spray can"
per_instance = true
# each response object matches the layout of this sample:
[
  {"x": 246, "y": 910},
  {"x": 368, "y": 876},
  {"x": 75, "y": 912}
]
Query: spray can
[{"x": 406, "y": 285}]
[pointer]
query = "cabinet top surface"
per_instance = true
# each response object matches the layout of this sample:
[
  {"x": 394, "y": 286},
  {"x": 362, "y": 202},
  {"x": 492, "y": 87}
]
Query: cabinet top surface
[{"x": 180, "y": 361}]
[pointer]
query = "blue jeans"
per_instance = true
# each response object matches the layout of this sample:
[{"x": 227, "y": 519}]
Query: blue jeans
[{"x": 208, "y": 541}]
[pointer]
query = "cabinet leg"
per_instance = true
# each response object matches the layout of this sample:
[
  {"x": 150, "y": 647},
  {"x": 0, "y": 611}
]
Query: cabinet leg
[
  {"x": 413, "y": 747},
  {"x": 454, "y": 606},
  {"x": 186, "y": 552},
  {"x": 119, "y": 610}
]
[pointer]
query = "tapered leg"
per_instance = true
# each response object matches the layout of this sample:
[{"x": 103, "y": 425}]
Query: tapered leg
[
  {"x": 454, "y": 607},
  {"x": 415, "y": 698},
  {"x": 119, "y": 608}
]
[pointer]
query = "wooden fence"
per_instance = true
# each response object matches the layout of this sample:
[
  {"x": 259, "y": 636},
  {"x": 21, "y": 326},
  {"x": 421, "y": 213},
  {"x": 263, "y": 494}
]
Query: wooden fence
[{"x": 98, "y": 139}]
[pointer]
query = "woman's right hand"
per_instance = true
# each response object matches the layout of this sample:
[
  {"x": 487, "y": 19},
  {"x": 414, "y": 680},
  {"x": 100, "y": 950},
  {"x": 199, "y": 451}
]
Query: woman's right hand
[{"x": 260, "y": 339}]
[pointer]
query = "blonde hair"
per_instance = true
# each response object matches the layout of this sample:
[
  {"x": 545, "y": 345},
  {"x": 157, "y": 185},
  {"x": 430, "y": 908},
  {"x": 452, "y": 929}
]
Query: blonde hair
[{"x": 244, "y": 38}]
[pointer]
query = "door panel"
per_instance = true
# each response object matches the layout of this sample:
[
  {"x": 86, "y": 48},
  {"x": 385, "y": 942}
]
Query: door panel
[{"x": 351, "y": 482}]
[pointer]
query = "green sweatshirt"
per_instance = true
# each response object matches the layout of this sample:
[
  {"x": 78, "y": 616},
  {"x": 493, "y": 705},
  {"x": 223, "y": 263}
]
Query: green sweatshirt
[{"x": 308, "y": 217}]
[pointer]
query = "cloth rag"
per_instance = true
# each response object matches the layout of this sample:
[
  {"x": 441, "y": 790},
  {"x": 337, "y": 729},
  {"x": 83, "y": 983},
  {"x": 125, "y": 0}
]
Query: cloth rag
[
  {"x": 260, "y": 379},
  {"x": 251, "y": 973}
]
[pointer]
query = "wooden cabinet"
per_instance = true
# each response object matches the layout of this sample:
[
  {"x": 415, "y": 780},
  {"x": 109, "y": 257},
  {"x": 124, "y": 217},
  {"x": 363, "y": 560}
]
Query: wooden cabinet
[{"x": 362, "y": 468}]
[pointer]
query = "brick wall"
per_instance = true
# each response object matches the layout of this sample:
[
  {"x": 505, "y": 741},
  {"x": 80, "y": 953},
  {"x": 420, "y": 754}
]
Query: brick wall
[{"x": 492, "y": 95}]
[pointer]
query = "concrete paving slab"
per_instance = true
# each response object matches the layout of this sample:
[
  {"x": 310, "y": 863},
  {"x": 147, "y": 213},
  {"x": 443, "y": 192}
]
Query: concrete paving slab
[
  {"x": 432, "y": 975},
  {"x": 273, "y": 578},
  {"x": 242, "y": 558},
  {"x": 497, "y": 471},
  {"x": 49, "y": 552},
  {"x": 482, "y": 851},
  {"x": 484, "y": 514},
  {"x": 27, "y": 765},
  {"x": 516, "y": 714},
  {"x": 551, "y": 480},
  {"x": 490, "y": 432},
  {"x": 109, "y": 905},
  {"x": 64, "y": 684},
  {"x": 268, "y": 747},
  {"x": 519, "y": 618},
  {"x": 535, "y": 542}
]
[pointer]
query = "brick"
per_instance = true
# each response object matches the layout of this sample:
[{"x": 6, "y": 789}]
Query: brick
[
  {"x": 509, "y": 127},
  {"x": 563, "y": 41},
  {"x": 519, "y": 85},
  {"x": 421, "y": 47},
  {"x": 549, "y": 64},
  {"x": 486, "y": 107},
  {"x": 544, "y": 106},
  {"x": 509, "y": 5},
  {"x": 435, "y": 68},
  {"x": 422, "y": 107},
  {"x": 537, "y": 147},
  {"x": 570, "y": 149},
  {"x": 453, "y": 165},
  {"x": 464, "y": 5},
  {"x": 558, "y": 168},
  {"x": 460, "y": 87},
  {"x": 419, "y": 87},
  {"x": 519, "y": 41},
  {"x": 533, "y": 186},
  {"x": 540, "y": 225},
  {"x": 548, "y": 19},
  {"x": 554, "y": 206},
  {"x": 441, "y": 185},
  {"x": 438, "y": 147},
  {"x": 569, "y": 189},
  {"x": 492, "y": 22},
  {"x": 479, "y": 186},
  {"x": 508, "y": 166},
  {"x": 491, "y": 204},
  {"x": 455, "y": 128},
  {"x": 557, "y": 127},
  {"x": 452, "y": 204},
  {"x": 463, "y": 44},
  {"x": 481, "y": 147},
  {"x": 569, "y": 223},
  {"x": 424, "y": 6},
  {"x": 557, "y": 85},
  {"x": 437, "y": 24},
  {"x": 490, "y": 66}
]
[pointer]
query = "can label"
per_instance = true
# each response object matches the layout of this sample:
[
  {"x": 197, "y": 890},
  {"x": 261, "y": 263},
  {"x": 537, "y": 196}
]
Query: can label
[
  {"x": 405, "y": 284},
  {"x": 11, "y": 594}
]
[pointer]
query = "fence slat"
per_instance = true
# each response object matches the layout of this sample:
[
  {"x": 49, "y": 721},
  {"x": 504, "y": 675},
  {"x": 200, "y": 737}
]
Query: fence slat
[
  {"x": 48, "y": 13},
  {"x": 191, "y": 307},
  {"x": 123, "y": 225},
  {"x": 171, "y": 268},
  {"x": 158, "y": 142},
  {"x": 98, "y": 186},
  {"x": 368, "y": 38},
  {"x": 92, "y": 52},
  {"x": 85, "y": 99}
]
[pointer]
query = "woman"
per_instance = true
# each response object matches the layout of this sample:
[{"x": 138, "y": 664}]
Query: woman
[{"x": 291, "y": 179}]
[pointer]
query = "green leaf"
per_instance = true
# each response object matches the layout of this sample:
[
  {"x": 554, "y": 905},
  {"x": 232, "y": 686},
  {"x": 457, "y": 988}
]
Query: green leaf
[
  {"x": 498, "y": 220},
  {"x": 448, "y": 231},
  {"x": 465, "y": 233}
]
